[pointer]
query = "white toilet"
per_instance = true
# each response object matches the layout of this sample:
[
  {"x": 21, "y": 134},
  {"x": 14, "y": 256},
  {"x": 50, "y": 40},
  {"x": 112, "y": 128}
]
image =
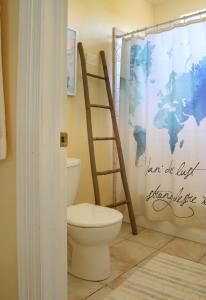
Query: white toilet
[{"x": 90, "y": 230}]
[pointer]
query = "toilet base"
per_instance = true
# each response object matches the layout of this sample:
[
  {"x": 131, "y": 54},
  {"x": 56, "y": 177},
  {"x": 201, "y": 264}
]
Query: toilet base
[{"x": 90, "y": 262}]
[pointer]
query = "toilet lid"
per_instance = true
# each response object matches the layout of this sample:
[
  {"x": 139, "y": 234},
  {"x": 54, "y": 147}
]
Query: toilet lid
[{"x": 90, "y": 215}]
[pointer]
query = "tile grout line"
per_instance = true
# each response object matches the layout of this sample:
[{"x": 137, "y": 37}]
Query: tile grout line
[
  {"x": 201, "y": 258},
  {"x": 129, "y": 239},
  {"x": 172, "y": 239},
  {"x": 134, "y": 266},
  {"x": 138, "y": 242},
  {"x": 95, "y": 292},
  {"x": 144, "y": 259},
  {"x": 123, "y": 239},
  {"x": 156, "y": 249},
  {"x": 162, "y": 250},
  {"x": 107, "y": 284},
  {"x": 130, "y": 235},
  {"x": 194, "y": 261}
]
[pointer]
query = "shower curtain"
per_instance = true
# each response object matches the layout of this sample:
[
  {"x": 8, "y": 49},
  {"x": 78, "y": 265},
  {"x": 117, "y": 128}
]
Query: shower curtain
[
  {"x": 162, "y": 123},
  {"x": 2, "y": 114}
]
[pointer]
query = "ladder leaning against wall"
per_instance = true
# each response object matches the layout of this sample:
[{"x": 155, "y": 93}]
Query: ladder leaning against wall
[{"x": 116, "y": 138}]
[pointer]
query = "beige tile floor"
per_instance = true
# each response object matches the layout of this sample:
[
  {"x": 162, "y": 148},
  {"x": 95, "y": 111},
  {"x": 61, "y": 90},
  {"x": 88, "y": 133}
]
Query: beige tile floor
[{"x": 129, "y": 253}]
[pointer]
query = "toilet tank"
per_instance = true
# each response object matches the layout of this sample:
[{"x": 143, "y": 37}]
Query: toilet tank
[{"x": 73, "y": 173}]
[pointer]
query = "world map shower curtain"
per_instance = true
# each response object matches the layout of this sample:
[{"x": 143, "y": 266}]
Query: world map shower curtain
[{"x": 163, "y": 123}]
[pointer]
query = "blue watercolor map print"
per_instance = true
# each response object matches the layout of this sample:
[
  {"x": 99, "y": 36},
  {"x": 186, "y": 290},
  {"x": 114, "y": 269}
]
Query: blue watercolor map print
[{"x": 183, "y": 96}]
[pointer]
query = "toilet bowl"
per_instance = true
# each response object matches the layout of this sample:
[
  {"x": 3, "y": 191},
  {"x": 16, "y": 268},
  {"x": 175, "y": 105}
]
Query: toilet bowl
[{"x": 90, "y": 230}]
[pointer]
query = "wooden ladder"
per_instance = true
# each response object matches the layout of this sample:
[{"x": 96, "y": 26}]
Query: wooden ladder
[{"x": 116, "y": 137}]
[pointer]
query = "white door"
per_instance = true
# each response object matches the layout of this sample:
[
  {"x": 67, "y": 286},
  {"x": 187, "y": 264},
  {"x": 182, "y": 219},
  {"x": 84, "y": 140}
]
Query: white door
[{"x": 41, "y": 162}]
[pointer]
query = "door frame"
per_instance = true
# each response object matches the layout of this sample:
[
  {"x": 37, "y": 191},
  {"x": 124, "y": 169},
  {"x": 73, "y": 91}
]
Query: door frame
[{"x": 40, "y": 162}]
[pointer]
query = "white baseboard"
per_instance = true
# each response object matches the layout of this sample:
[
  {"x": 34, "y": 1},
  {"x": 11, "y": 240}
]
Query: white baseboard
[{"x": 192, "y": 234}]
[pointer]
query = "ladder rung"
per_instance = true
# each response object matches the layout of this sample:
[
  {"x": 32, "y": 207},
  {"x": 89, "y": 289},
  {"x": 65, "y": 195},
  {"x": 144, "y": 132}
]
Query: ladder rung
[
  {"x": 117, "y": 204},
  {"x": 95, "y": 76},
  {"x": 103, "y": 138},
  {"x": 100, "y": 106},
  {"x": 108, "y": 172}
]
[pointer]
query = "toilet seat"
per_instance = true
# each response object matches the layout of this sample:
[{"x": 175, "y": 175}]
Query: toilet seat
[{"x": 90, "y": 215}]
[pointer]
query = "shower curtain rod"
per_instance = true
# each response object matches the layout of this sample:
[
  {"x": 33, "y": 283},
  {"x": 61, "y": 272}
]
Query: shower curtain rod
[{"x": 161, "y": 24}]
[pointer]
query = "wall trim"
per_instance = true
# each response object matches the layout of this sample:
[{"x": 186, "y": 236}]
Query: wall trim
[{"x": 40, "y": 169}]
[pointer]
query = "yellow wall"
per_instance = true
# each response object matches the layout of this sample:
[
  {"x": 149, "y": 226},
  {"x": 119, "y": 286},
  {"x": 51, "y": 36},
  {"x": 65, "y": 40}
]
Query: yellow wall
[
  {"x": 175, "y": 8},
  {"x": 93, "y": 20},
  {"x": 8, "y": 260}
]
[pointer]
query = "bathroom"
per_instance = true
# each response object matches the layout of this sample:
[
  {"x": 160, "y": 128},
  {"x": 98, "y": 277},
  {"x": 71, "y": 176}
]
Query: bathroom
[
  {"x": 128, "y": 251},
  {"x": 162, "y": 255}
]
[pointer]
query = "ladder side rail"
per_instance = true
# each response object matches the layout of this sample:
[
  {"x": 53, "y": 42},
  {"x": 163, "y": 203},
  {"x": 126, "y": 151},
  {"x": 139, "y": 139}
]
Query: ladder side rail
[
  {"x": 119, "y": 147},
  {"x": 89, "y": 125}
]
